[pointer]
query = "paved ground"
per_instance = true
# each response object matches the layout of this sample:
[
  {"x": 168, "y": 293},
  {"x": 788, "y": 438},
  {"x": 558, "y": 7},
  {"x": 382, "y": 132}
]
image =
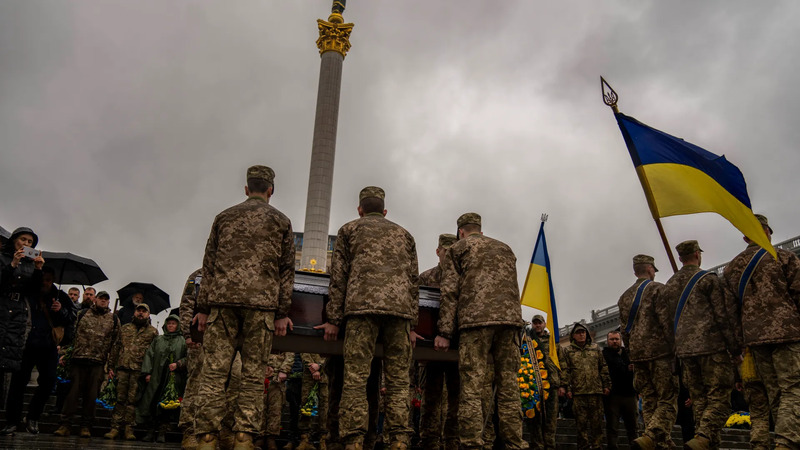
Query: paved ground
[{"x": 49, "y": 441}]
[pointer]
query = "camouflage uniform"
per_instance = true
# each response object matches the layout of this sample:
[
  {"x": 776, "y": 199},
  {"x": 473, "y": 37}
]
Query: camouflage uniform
[
  {"x": 440, "y": 384},
  {"x": 379, "y": 306},
  {"x": 308, "y": 384},
  {"x": 758, "y": 403},
  {"x": 248, "y": 276},
  {"x": 706, "y": 333},
  {"x": 479, "y": 284},
  {"x": 334, "y": 370},
  {"x": 488, "y": 408},
  {"x": 770, "y": 321},
  {"x": 126, "y": 359},
  {"x": 96, "y": 332},
  {"x": 543, "y": 426},
  {"x": 585, "y": 376},
  {"x": 650, "y": 345},
  {"x": 195, "y": 354},
  {"x": 275, "y": 395}
]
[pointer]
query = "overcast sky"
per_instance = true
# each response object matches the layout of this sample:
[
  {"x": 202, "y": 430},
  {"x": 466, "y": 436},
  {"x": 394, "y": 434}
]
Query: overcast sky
[{"x": 125, "y": 127}]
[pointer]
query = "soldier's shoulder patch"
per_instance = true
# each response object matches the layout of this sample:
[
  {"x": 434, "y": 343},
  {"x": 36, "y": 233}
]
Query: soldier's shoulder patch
[{"x": 189, "y": 289}]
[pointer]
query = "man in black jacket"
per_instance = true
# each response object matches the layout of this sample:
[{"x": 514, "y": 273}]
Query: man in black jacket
[
  {"x": 622, "y": 401},
  {"x": 50, "y": 308}
]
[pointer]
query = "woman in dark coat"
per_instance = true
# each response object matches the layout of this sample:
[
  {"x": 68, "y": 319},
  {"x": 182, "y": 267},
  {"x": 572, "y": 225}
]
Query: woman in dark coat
[{"x": 167, "y": 353}]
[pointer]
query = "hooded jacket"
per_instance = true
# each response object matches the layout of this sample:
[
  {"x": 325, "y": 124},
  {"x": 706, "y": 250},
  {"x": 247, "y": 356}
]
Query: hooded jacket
[
  {"x": 17, "y": 287},
  {"x": 156, "y": 364},
  {"x": 584, "y": 369}
]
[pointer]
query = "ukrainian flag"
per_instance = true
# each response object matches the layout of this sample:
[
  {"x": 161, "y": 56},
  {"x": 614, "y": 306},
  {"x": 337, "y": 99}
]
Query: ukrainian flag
[
  {"x": 682, "y": 178},
  {"x": 538, "y": 290}
]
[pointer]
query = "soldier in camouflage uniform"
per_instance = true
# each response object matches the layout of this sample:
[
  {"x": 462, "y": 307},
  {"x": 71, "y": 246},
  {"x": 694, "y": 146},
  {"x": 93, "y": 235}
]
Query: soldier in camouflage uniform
[
  {"x": 706, "y": 337},
  {"x": 479, "y": 284},
  {"x": 440, "y": 379},
  {"x": 278, "y": 370},
  {"x": 755, "y": 394},
  {"x": 545, "y": 423},
  {"x": 770, "y": 321},
  {"x": 374, "y": 276},
  {"x": 126, "y": 358},
  {"x": 586, "y": 380},
  {"x": 96, "y": 332},
  {"x": 313, "y": 364},
  {"x": 645, "y": 332},
  {"x": 248, "y": 276},
  {"x": 194, "y": 359}
]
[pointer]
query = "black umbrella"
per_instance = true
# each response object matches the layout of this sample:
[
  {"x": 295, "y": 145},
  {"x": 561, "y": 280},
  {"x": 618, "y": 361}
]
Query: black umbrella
[
  {"x": 4, "y": 235},
  {"x": 73, "y": 269},
  {"x": 157, "y": 299}
]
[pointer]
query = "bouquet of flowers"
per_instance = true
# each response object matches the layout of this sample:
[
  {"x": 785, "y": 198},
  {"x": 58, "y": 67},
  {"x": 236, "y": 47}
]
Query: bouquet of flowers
[
  {"x": 108, "y": 396},
  {"x": 532, "y": 378},
  {"x": 62, "y": 371},
  {"x": 740, "y": 420},
  {"x": 169, "y": 398},
  {"x": 310, "y": 407}
]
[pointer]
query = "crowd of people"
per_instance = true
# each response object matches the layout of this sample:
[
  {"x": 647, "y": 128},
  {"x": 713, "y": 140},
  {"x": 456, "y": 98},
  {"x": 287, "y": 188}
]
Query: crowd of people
[{"x": 698, "y": 330}]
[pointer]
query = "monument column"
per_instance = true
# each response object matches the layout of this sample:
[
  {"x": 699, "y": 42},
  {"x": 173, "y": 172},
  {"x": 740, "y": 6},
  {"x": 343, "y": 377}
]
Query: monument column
[{"x": 333, "y": 44}]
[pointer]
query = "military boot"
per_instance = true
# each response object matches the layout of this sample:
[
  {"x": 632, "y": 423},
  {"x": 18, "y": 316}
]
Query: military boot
[
  {"x": 113, "y": 434},
  {"x": 86, "y": 432},
  {"x": 129, "y": 435},
  {"x": 699, "y": 442},
  {"x": 305, "y": 442},
  {"x": 207, "y": 441},
  {"x": 243, "y": 441},
  {"x": 62, "y": 431},
  {"x": 397, "y": 445},
  {"x": 644, "y": 443}
]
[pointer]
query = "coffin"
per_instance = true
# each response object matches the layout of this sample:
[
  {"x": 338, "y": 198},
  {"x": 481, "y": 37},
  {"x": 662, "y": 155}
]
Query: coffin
[{"x": 308, "y": 302}]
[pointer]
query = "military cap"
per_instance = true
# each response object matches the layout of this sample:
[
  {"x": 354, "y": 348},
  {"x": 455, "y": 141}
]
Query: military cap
[
  {"x": 143, "y": 306},
  {"x": 261, "y": 173},
  {"x": 103, "y": 294},
  {"x": 446, "y": 240},
  {"x": 371, "y": 192},
  {"x": 688, "y": 247},
  {"x": 764, "y": 222},
  {"x": 469, "y": 218},
  {"x": 645, "y": 259},
  {"x": 538, "y": 317}
]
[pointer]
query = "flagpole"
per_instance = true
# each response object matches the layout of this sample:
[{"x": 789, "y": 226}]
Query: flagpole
[{"x": 610, "y": 98}]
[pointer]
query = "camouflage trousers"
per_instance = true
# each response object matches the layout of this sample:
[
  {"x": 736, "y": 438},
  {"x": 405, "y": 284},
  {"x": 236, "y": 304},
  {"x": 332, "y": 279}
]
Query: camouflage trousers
[
  {"x": 655, "y": 382},
  {"x": 334, "y": 371},
  {"x": 709, "y": 379},
  {"x": 488, "y": 407},
  {"x": 189, "y": 402},
  {"x": 756, "y": 395},
  {"x": 225, "y": 328},
  {"x": 588, "y": 410},
  {"x": 274, "y": 399},
  {"x": 474, "y": 348},
  {"x": 305, "y": 425},
  {"x": 778, "y": 366},
  {"x": 439, "y": 410},
  {"x": 232, "y": 393},
  {"x": 125, "y": 409},
  {"x": 361, "y": 334},
  {"x": 542, "y": 427}
]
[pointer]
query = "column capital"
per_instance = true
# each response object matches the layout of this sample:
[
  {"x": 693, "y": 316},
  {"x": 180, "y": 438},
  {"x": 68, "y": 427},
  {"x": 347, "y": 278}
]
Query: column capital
[{"x": 334, "y": 36}]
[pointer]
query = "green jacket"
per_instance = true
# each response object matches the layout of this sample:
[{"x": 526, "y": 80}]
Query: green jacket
[
  {"x": 156, "y": 364},
  {"x": 584, "y": 369}
]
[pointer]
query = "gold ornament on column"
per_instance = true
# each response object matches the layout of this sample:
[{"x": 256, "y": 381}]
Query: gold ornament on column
[{"x": 334, "y": 34}]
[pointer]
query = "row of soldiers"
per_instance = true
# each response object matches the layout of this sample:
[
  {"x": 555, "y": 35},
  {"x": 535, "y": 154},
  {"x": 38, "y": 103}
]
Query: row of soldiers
[
  {"x": 246, "y": 286},
  {"x": 705, "y": 324}
]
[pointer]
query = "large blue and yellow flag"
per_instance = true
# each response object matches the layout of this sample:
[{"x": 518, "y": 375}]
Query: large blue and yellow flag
[
  {"x": 681, "y": 178},
  {"x": 538, "y": 290}
]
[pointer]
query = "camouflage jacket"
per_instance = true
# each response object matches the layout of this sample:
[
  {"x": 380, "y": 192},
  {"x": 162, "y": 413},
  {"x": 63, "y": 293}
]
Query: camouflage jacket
[
  {"x": 189, "y": 301},
  {"x": 479, "y": 286},
  {"x": 95, "y": 335},
  {"x": 651, "y": 334},
  {"x": 583, "y": 369},
  {"x": 431, "y": 277},
  {"x": 553, "y": 372},
  {"x": 373, "y": 271},
  {"x": 249, "y": 260},
  {"x": 313, "y": 358},
  {"x": 708, "y": 322},
  {"x": 770, "y": 312},
  {"x": 280, "y": 362},
  {"x": 128, "y": 352}
]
